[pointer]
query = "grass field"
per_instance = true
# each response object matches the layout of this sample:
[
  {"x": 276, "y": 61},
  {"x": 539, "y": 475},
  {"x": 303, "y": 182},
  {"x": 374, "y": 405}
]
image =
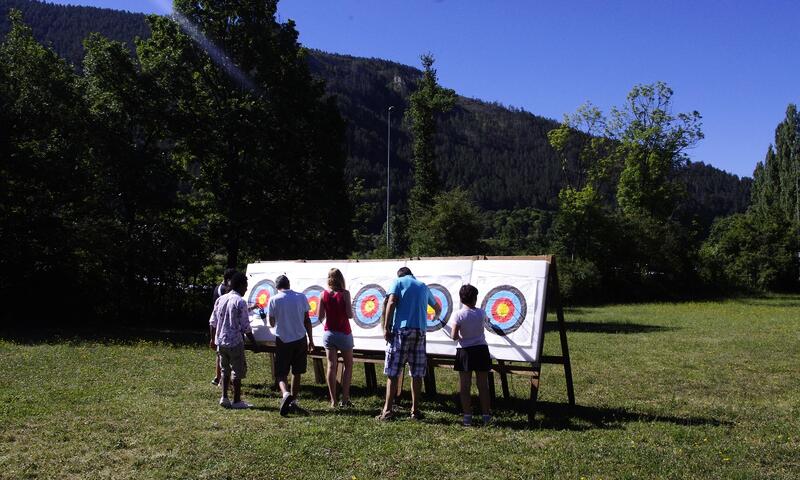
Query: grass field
[{"x": 688, "y": 390}]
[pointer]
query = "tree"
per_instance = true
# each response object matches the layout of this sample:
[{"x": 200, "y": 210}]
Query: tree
[
  {"x": 453, "y": 226},
  {"x": 41, "y": 168},
  {"x": 253, "y": 125},
  {"x": 776, "y": 187},
  {"x": 652, "y": 141},
  {"x": 428, "y": 100}
]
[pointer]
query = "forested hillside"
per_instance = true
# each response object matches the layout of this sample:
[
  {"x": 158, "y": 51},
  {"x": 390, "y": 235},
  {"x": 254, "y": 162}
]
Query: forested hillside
[{"x": 500, "y": 155}]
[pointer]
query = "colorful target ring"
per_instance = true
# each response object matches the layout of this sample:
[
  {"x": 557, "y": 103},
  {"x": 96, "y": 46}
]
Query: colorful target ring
[
  {"x": 314, "y": 296},
  {"x": 368, "y": 306},
  {"x": 260, "y": 295},
  {"x": 445, "y": 301},
  {"x": 505, "y": 308}
]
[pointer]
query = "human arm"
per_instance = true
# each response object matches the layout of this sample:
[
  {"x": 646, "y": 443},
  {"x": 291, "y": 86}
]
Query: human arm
[
  {"x": 272, "y": 321},
  {"x": 321, "y": 306},
  {"x": 437, "y": 309},
  {"x": 212, "y": 329},
  {"x": 388, "y": 317},
  {"x": 348, "y": 304},
  {"x": 307, "y": 324}
]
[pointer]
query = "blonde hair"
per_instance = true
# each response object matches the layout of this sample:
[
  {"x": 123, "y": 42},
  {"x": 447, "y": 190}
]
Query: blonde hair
[{"x": 335, "y": 279}]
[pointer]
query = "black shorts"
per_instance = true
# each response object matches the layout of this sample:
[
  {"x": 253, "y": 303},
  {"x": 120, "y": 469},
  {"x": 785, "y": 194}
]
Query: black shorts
[
  {"x": 473, "y": 359},
  {"x": 290, "y": 355}
]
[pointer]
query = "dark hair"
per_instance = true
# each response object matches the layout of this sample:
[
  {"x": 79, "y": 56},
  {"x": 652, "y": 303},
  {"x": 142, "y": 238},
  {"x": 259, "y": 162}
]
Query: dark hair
[
  {"x": 229, "y": 272},
  {"x": 282, "y": 282},
  {"x": 469, "y": 295},
  {"x": 404, "y": 271},
  {"x": 238, "y": 280}
]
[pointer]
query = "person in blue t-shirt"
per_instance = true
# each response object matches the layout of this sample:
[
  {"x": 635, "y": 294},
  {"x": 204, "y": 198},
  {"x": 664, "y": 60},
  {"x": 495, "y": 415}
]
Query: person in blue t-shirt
[{"x": 404, "y": 326}]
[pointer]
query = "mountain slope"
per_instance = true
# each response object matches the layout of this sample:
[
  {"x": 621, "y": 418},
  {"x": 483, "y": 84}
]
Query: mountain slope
[{"x": 501, "y": 155}]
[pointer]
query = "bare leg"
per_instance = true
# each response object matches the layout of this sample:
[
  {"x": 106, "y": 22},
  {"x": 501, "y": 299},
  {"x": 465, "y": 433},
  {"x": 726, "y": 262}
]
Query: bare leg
[
  {"x": 218, "y": 369},
  {"x": 237, "y": 390},
  {"x": 295, "y": 384},
  {"x": 416, "y": 388},
  {"x": 226, "y": 381},
  {"x": 391, "y": 389},
  {"x": 347, "y": 374},
  {"x": 283, "y": 385},
  {"x": 482, "y": 379},
  {"x": 465, "y": 379},
  {"x": 333, "y": 360}
]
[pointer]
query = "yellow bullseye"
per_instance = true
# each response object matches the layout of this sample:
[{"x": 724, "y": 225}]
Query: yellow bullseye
[
  {"x": 503, "y": 310},
  {"x": 369, "y": 306},
  {"x": 313, "y": 305},
  {"x": 262, "y": 299}
]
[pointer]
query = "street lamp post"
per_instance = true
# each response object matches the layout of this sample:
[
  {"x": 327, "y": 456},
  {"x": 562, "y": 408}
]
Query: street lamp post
[{"x": 388, "y": 160}]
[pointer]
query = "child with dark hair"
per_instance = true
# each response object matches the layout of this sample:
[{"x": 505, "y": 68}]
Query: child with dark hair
[
  {"x": 472, "y": 354},
  {"x": 219, "y": 291}
]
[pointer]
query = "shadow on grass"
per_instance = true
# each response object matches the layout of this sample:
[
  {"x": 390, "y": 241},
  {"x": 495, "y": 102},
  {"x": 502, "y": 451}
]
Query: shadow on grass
[
  {"x": 121, "y": 336},
  {"x": 607, "y": 327},
  {"x": 509, "y": 414},
  {"x": 787, "y": 301},
  {"x": 559, "y": 416}
]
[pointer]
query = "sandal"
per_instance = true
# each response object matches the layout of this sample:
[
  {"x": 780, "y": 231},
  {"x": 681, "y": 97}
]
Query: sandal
[{"x": 385, "y": 416}]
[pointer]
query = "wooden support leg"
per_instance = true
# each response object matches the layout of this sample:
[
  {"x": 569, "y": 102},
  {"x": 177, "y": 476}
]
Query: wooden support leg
[
  {"x": 536, "y": 374},
  {"x": 430, "y": 381},
  {"x": 504, "y": 381},
  {"x": 272, "y": 368},
  {"x": 371, "y": 378},
  {"x": 319, "y": 371}
]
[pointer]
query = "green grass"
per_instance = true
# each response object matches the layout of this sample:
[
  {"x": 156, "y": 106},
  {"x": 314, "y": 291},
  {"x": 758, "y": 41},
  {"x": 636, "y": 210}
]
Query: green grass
[{"x": 689, "y": 390}]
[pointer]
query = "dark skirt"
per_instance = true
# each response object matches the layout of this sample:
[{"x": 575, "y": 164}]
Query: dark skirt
[{"x": 473, "y": 359}]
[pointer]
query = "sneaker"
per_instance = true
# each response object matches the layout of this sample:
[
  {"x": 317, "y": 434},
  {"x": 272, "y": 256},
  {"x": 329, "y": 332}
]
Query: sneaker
[
  {"x": 215, "y": 381},
  {"x": 224, "y": 402},
  {"x": 286, "y": 403},
  {"x": 241, "y": 405},
  {"x": 417, "y": 415},
  {"x": 346, "y": 404}
]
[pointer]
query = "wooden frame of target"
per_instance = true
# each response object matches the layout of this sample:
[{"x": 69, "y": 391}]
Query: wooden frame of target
[{"x": 512, "y": 291}]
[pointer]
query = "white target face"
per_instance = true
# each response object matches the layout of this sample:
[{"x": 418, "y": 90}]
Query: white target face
[{"x": 510, "y": 291}]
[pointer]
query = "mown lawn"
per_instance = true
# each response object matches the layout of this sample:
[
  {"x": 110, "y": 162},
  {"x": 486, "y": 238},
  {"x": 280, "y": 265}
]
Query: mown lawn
[{"x": 688, "y": 390}]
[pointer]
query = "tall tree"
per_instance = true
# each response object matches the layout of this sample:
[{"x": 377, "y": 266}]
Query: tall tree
[
  {"x": 652, "y": 148},
  {"x": 425, "y": 103},
  {"x": 42, "y": 184},
  {"x": 255, "y": 128},
  {"x": 776, "y": 186}
]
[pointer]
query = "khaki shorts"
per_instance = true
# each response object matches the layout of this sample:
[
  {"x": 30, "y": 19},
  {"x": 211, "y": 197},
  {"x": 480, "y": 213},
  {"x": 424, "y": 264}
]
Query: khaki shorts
[{"x": 232, "y": 359}]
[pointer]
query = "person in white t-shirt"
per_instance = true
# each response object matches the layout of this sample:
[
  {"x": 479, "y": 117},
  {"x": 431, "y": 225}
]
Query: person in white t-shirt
[
  {"x": 288, "y": 314},
  {"x": 472, "y": 354}
]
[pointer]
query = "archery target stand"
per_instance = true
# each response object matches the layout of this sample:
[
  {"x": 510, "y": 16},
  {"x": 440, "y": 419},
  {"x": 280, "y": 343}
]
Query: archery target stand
[{"x": 515, "y": 292}]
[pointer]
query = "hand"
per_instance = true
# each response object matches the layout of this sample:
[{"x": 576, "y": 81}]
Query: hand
[
  {"x": 212, "y": 344},
  {"x": 311, "y": 346},
  {"x": 387, "y": 335}
]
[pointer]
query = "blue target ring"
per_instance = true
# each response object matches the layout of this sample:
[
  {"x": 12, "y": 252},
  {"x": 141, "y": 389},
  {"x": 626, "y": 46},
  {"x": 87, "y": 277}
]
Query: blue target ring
[
  {"x": 260, "y": 295},
  {"x": 368, "y": 306},
  {"x": 444, "y": 300},
  {"x": 314, "y": 296},
  {"x": 505, "y": 308}
]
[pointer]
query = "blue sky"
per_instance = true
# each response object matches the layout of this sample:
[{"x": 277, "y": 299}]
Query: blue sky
[{"x": 736, "y": 62}]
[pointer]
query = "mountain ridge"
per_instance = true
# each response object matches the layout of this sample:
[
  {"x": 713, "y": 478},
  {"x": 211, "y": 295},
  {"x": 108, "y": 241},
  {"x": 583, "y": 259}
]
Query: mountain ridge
[{"x": 499, "y": 154}]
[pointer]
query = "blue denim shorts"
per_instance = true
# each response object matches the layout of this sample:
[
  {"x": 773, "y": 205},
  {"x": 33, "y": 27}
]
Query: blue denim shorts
[{"x": 337, "y": 340}]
